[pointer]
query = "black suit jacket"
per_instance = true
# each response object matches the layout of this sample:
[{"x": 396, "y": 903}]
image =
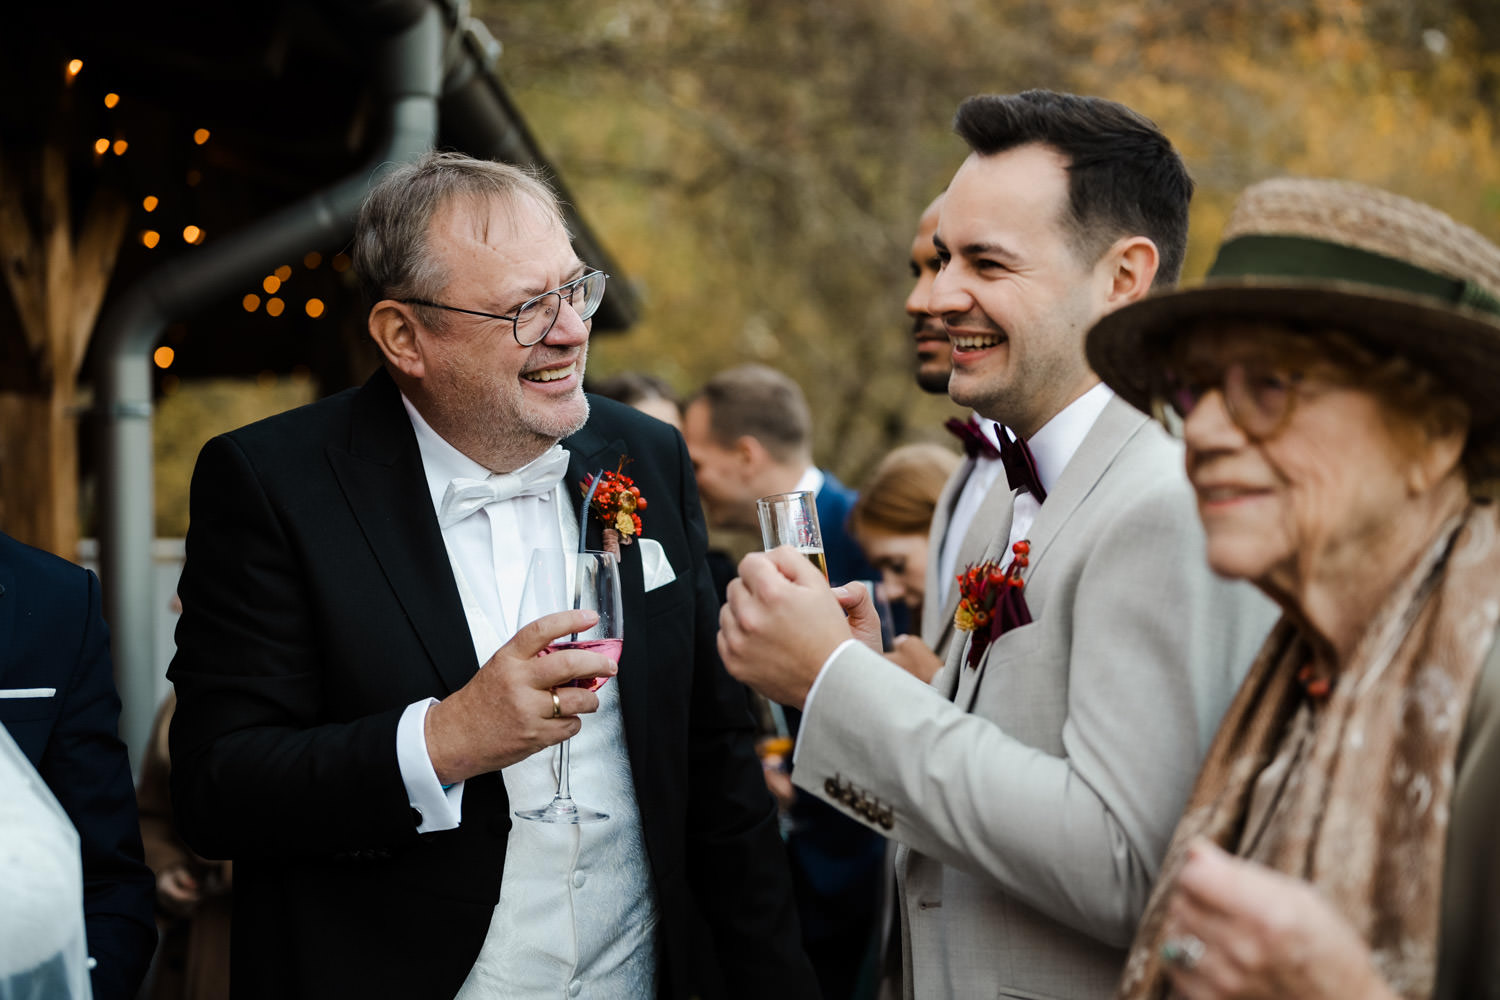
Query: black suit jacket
[
  {"x": 52, "y": 635},
  {"x": 318, "y": 602}
]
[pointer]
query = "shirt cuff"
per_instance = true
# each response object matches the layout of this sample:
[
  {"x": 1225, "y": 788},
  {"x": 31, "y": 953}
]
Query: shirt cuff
[
  {"x": 812, "y": 691},
  {"x": 439, "y": 807}
]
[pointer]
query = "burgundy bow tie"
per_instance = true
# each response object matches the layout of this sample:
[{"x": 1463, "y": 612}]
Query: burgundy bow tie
[{"x": 1020, "y": 466}]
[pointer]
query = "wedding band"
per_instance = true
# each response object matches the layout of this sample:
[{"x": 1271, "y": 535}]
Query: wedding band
[
  {"x": 1184, "y": 952},
  {"x": 557, "y": 714}
]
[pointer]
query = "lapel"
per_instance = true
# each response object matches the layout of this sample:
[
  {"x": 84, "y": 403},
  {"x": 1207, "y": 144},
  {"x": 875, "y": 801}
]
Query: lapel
[
  {"x": 381, "y": 475},
  {"x": 590, "y": 451},
  {"x": 1117, "y": 423}
]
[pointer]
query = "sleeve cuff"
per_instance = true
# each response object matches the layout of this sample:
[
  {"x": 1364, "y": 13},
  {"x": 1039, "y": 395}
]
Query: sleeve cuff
[
  {"x": 440, "y": 808},
  {"x": 813, "y": 691}
]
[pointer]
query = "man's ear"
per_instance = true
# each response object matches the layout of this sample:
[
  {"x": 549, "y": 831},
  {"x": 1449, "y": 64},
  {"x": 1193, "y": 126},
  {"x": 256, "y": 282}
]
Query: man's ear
[
  {"x": 751, "y": 456},
  {"x": 1130, "y": 268},
  {"x": 394, "y": 332}
]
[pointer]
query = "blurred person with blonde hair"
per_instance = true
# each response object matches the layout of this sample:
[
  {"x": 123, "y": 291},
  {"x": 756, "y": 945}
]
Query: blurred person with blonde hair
[{"x": 891, "y": 518}]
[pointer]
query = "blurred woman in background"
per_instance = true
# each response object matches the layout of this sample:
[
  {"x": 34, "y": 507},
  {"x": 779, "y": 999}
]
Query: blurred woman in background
[{"x": 893, "y": 513}]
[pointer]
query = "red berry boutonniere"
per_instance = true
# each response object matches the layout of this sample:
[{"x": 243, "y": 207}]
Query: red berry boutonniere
[
  {"x": 990, "y": 601},
  {"x": 617, "y": 502}
]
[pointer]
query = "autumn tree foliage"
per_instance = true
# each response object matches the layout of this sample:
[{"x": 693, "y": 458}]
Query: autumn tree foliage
[{"x": 758, "y": 165}]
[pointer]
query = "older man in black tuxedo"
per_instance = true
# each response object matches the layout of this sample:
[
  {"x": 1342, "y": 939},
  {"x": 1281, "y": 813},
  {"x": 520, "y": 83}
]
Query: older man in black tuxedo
[{"x": 359, "y": 707}]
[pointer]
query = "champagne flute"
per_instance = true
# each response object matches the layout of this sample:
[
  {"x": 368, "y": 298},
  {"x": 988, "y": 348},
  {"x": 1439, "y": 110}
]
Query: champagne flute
[
  {"x": 589, "y": 581},
  {"x": 792, "y": 519}
]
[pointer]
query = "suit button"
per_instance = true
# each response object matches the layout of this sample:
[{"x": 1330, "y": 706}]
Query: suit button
[
  {"x": 575, "y": 988},
  {"x": 832, "y": 788},
  {"x": 887, "y": 819},
  {"x": 578, "y": 879}
]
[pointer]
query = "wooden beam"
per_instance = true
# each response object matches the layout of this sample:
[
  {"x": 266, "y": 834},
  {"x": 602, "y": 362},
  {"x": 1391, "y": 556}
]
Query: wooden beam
[
  {"x": 58, "y": 284},
  {"x": 21, "y": 254}
]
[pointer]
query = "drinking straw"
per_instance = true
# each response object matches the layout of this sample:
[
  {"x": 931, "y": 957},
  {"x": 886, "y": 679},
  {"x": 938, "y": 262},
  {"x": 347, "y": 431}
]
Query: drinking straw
[{"x": 583, "y": 517}]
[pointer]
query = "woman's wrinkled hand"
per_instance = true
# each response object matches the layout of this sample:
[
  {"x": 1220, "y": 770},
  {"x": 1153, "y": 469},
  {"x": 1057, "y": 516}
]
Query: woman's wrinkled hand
[{"x": 1239, "y": 930}]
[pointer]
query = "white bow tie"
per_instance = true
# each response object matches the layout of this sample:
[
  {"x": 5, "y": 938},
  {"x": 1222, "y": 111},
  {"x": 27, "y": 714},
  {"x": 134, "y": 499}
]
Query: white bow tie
[{"x": 538, "y": 479}]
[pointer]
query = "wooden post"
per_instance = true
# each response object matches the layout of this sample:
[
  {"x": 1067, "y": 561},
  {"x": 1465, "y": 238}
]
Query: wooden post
[{"x": 57, "y": 283}]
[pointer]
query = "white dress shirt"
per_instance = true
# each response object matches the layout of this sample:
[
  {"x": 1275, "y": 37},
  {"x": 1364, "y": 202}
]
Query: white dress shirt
[
  {"x": 981, "y": 479},
  {"x": 577, "y": 914}
]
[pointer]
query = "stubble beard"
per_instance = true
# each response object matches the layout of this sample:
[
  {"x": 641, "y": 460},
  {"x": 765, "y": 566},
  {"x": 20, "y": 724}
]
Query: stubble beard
[{"x": 934, "y": 382}]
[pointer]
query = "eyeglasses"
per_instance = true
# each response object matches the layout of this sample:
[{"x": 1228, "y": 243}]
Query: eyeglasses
[
  {"x": 1258, "y": 398},
  {"x": 535, "y": 318}
]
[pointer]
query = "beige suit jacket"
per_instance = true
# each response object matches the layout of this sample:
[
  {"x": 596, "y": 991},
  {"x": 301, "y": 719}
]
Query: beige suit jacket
[{"x": 1035, "y": 795}]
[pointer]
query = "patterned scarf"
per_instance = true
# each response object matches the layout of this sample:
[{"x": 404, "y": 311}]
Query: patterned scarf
[{"x": 1363, "y": 812}]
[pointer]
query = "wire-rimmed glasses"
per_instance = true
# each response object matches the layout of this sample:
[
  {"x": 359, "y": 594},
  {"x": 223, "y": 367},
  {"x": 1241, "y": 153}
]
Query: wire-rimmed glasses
[{"x": 535, "y": 318}]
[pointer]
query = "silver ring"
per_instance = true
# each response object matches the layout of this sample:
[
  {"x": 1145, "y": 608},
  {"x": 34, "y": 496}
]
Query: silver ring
[
  {"x": 1184, "y": 952},
  {"x": 557, "y": 714}
]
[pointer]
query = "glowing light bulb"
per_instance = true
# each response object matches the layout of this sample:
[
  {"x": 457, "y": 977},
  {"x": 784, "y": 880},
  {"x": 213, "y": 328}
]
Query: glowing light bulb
[
  {"x": 101, "y": 146},
  {"x": 110, "y": 100},
  {"x": 120, "y": 146},
  {"x": 251, "y": 302},
  {"x": 200, "y": 136},
  {"x": 314, "y": 308},
  {"x": 149, "y": 238},
  {"x": 74, "y": 67},
  {"x": 275, "y": 307},
  {"x": 150, "y": 202},
  {"x": 164, "y": 356},
  {"x": 192, "y": 234},
  {"x": 272, "y": 284}
]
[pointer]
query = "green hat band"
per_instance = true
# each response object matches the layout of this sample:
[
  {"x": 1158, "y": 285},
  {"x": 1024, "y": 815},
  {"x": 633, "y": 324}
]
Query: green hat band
[{"x": 1310, "y": 259}]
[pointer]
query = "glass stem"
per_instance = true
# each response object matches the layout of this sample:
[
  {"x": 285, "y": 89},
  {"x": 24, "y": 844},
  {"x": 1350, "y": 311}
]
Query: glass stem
[{"x": 562, "y": 773}]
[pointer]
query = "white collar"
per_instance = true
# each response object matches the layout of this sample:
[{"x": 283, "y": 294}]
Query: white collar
[
  {"x": 1053, "y": 446},
  {"x": 442, "y": 462},
  {"x": 811, "y": 481}
]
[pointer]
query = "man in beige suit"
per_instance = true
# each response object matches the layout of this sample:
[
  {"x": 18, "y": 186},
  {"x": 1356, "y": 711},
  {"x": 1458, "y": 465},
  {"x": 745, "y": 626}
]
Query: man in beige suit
[{"x": 1035, "y": 783}]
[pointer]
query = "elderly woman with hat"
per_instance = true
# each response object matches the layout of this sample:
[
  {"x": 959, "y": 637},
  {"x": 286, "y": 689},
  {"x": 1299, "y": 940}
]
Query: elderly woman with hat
[{"x": 1336, "y": 382}]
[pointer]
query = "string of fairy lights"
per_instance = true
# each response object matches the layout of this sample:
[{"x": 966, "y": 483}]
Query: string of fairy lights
[{"x": 274, "y": 303}]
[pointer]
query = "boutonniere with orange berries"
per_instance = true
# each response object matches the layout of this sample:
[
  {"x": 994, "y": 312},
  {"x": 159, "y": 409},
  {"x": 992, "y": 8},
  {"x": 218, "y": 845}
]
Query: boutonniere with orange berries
[
  {"x": 617, "y": 502},
  {"x": 990, "y": 600}
]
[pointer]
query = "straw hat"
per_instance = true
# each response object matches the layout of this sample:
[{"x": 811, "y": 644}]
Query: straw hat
[{"x": 1401, "y": 277}]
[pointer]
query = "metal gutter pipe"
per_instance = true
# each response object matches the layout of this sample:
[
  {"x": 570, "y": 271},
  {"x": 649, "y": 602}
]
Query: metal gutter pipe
[{"x": 409, "y": 76}]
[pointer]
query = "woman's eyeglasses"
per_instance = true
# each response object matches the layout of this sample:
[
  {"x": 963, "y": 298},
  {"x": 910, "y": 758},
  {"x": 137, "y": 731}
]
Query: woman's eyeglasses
[{"x": 1259, "y": 398}]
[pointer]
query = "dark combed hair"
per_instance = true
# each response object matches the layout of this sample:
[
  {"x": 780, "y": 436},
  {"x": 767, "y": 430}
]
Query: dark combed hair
[{"x": 1124, "y": 177}]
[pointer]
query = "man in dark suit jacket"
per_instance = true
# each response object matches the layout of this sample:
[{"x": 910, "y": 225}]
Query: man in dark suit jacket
[
  {"x": 325, "y": 601},
  {"x": 58, "y": 702}
]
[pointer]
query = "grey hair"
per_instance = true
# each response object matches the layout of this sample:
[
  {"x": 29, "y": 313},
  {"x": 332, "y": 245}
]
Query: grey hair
[{"x": 391, "y": 253}]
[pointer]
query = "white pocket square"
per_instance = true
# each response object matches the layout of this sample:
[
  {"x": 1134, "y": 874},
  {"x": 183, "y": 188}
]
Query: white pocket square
[
  {"x": 27, "y": 692},
  {"x": 655, "y": 569}
]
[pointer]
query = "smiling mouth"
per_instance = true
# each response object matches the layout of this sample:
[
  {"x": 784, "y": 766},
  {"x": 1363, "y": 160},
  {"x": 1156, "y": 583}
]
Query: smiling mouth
[
  {"x": 975, "y": 342},
  {"x": 550, "y": 374}
]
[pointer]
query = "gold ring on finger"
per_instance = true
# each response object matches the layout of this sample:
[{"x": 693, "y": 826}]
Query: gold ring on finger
[{"x": 556, "y": 705}]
